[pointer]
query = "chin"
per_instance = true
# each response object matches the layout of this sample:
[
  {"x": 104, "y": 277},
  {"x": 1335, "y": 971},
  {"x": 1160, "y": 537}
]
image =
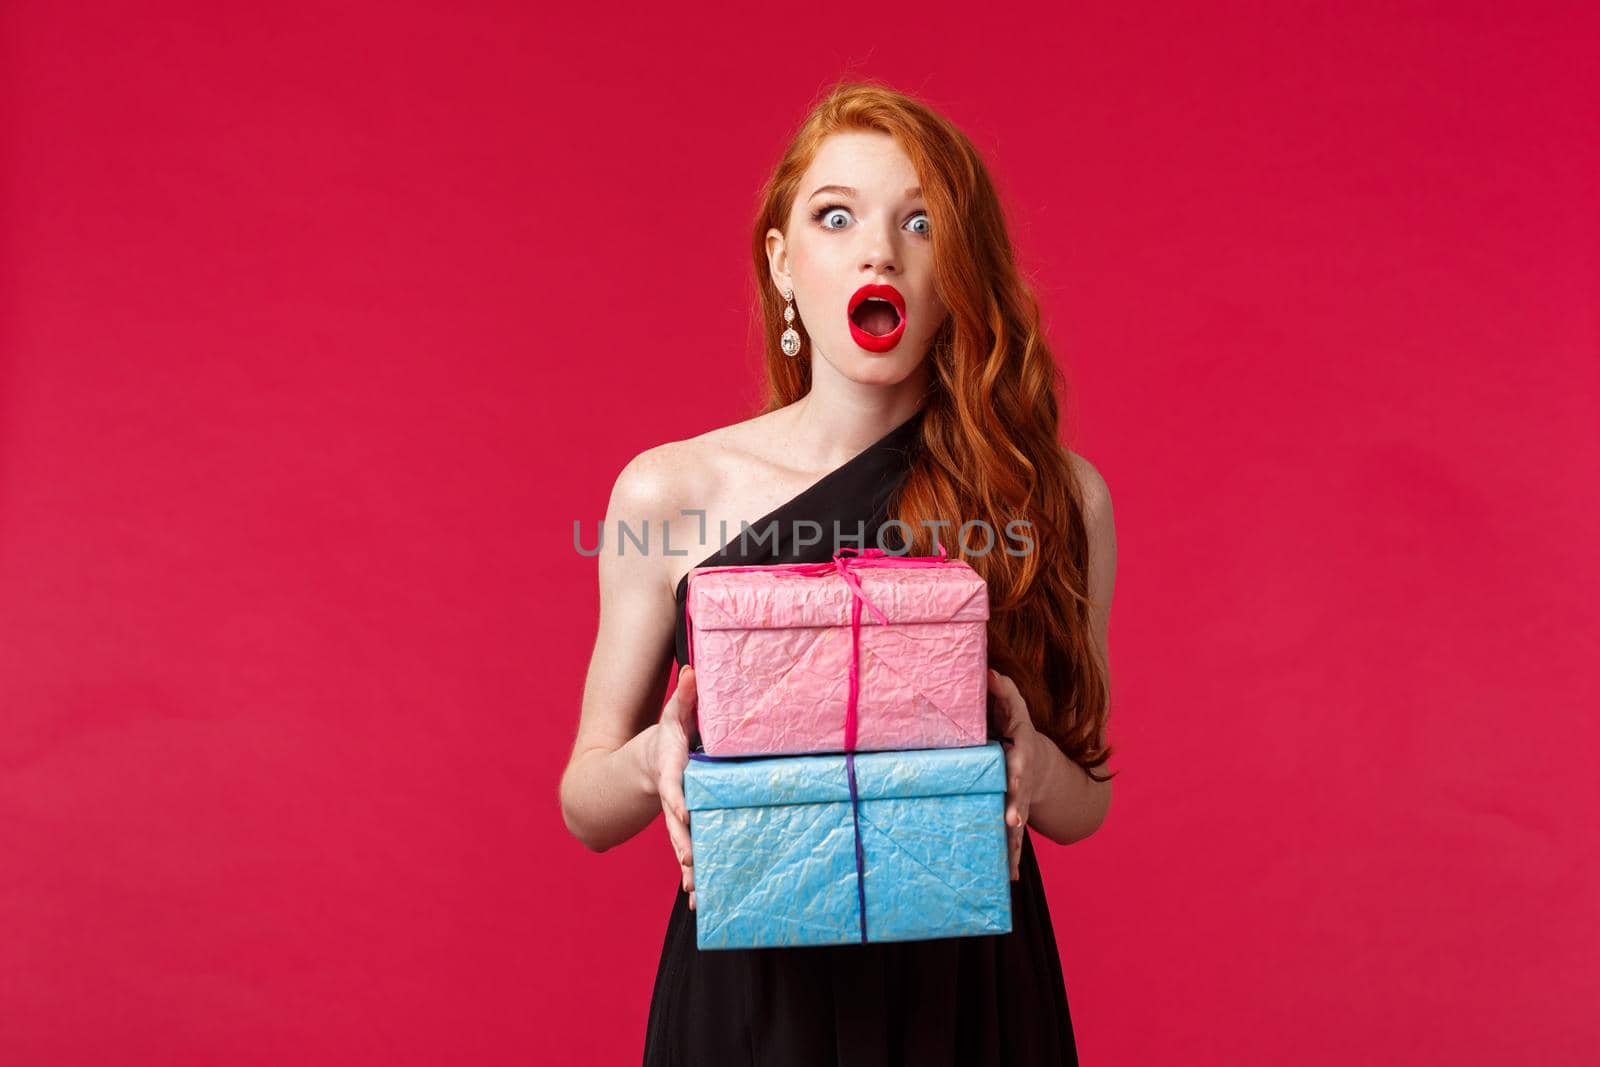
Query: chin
[{"x": 878, "y": 368}]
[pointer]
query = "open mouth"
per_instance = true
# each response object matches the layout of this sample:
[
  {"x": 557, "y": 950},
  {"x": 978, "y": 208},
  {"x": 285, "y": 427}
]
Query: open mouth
[{"x": 877, "y": 315}]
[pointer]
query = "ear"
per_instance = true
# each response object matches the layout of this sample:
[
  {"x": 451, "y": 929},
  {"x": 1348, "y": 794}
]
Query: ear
[{"x": 778, "y": 260}]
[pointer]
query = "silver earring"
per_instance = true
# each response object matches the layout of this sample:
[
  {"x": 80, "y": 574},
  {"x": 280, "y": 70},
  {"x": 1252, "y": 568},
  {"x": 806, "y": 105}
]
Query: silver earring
[{"x": 790, "y": 341}]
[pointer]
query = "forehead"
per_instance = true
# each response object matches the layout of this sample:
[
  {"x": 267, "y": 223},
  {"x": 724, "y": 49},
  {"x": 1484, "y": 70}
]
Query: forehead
[{"x": 867, "y": 160}]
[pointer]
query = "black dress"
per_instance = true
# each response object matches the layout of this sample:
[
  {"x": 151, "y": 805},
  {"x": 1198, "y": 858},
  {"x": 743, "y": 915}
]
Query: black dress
[{"x": 961, "y": 1002}]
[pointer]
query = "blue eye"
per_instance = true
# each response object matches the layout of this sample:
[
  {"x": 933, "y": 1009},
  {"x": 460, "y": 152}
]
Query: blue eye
[{"x": 827, "y": 211}]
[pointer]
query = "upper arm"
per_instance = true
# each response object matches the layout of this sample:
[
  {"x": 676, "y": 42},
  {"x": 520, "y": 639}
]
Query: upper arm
[
  {"x": 633, "y": 648},
  {"x": 1102, "y": 532}
]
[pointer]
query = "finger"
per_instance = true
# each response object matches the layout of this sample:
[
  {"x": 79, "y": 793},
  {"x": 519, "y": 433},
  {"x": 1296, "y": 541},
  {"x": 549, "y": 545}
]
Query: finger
[
  {"x": 1014, "y": 787},
  {"x": 691, "y": 901},
  {"x": 1008, "y": 699},
  {"x": 1017, "y": 762},
  {"x": 682, "y": 838},
  {"x": 1014, "y": 840},
  {"x": 682, "y": 845},
  {"x": 1002, "y": 685},
  {"x": 669, "y": 710},
  {"x": 670, "y": 788},
  {"x": 673, "y": 759},
  {"x": 687, "y": 696},
  {"x": 999, "y": 712},
  {"x": 669, "y": 785}
]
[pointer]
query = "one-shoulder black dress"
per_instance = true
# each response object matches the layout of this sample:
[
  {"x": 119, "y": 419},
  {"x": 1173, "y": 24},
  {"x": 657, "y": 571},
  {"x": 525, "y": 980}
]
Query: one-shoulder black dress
[{"x": 953, "y": 1002}]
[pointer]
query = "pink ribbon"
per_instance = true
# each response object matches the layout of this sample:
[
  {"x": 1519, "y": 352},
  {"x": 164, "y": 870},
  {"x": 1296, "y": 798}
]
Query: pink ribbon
[{"x": 845, "y": 563}]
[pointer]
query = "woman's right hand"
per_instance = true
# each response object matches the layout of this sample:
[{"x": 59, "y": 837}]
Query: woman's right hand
[{"x": 678, "y": 724}]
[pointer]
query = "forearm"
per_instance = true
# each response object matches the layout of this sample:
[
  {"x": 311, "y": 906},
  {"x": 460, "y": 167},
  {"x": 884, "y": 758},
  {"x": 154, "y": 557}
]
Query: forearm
[
  {"x": 607, "y": 797},
  {"x": 1067, "y": 805}
]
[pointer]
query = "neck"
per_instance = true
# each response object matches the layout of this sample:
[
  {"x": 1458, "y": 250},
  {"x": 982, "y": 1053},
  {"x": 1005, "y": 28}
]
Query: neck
[{"x": 826, "y": 427}]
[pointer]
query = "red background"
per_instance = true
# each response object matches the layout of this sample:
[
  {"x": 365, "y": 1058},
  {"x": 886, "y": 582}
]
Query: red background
[{"x": 320, "y": 326}]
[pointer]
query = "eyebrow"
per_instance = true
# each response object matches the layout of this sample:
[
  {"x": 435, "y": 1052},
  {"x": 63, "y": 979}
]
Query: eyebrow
[{"x": 915, "y": 190}]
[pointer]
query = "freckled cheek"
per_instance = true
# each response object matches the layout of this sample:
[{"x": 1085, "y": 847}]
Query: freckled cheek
[
  {"x": 823, "y": 276},
  {"x": 927, "y": 312},
  {"x": 827, "y": 266}
]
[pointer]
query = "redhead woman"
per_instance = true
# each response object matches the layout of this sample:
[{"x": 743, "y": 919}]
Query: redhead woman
[{"x": 910, "y": 395}]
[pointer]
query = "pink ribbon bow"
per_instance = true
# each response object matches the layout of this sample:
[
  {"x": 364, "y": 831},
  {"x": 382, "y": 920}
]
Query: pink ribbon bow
[{"x": 845, "y": 563}]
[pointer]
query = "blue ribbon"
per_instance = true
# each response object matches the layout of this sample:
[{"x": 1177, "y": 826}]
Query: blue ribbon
[{"x": 855, "y": 821}]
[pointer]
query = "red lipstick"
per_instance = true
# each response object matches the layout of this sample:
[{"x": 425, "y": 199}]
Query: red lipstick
[{"x": 870, "y": 341}]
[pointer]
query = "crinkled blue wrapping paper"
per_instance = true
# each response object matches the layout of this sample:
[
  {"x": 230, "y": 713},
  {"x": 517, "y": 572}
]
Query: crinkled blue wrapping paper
[{"x": 775, "y": 847}]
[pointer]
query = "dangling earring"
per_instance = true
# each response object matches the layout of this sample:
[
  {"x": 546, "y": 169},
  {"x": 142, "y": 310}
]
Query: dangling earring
[{"x": 790, "y": 341}]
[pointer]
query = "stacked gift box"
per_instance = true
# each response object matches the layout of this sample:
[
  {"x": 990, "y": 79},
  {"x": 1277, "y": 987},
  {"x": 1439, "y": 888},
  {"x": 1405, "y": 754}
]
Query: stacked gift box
[{"x": 846, "y": 789}]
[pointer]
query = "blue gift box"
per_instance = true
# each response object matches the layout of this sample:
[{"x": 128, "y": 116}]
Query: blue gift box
[{"x": 832, "y": 849}]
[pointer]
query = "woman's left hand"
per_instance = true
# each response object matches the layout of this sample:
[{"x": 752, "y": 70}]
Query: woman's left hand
[{"x": 1009, "y": 717}]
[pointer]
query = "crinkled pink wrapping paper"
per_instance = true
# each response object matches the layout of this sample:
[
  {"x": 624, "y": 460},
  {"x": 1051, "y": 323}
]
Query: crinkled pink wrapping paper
[{"x": 771, "y": 653}]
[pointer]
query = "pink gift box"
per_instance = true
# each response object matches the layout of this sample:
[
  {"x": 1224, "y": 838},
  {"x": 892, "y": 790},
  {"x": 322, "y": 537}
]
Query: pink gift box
[{"x": 772, "y": 649}]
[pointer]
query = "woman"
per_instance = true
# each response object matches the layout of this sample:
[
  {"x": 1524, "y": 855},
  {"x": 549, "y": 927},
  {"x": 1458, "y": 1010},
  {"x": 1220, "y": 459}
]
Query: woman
[{"x": 907, "y": 380}]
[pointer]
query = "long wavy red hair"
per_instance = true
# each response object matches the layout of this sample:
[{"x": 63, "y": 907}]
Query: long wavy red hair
[{"x": 990, "y": 431}]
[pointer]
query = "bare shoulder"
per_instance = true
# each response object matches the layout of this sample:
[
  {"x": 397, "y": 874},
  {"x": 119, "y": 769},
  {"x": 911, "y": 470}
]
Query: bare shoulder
[
  {"x": 651, "y": 483},
  {"x": 673, "y": 475},
  {"x": 647, "y": 499},
  {"x": 668, "y": 487}
]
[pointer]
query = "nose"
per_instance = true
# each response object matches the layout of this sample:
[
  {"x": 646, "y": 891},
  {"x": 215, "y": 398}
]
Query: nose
[{"x": 879, "y": 255}]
